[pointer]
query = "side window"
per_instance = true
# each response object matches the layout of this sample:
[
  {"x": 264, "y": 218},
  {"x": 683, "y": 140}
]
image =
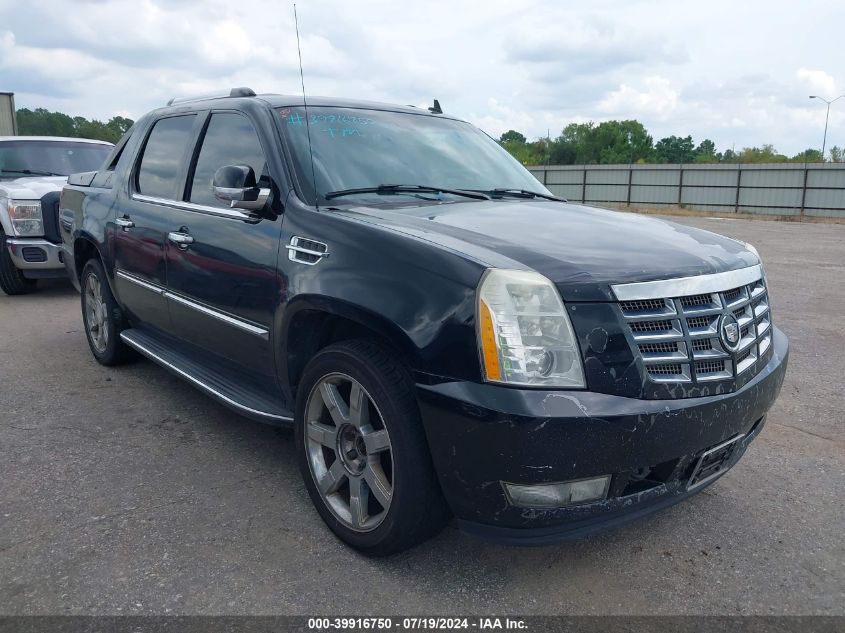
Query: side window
[
  {"x": 111, "y": 162},
  {"x": 229, "y": 140},
  {"x": 162, "y": 159}
]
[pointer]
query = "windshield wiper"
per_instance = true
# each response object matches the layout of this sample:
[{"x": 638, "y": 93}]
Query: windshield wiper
[
  {"x": 30, "y": 172},
  {"x": 389, "y": 190},
  {"x": 520, "y": 193}
]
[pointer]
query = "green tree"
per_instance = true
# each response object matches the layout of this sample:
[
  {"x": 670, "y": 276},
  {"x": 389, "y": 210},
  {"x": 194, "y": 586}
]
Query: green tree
[
  {"x": 763, "y": 154},
  {"x": 706, "y": 152},
  {"x": 808, "y": 156},
  {"x": 622, "y": 142},
  {"x": 607, "y": 143},
  {"x": 511, "y": 136},
  {"x": 675, "y": 149},
  {"x": 42, "y": 122},
  {"x": 571, "y": 146},
  {"x": 837, "y": 154}
]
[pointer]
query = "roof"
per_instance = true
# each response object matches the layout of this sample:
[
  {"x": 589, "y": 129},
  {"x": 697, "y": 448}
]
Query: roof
[
  {"x": 278, "y": 100},
  {"x": 54, "y": 138}
]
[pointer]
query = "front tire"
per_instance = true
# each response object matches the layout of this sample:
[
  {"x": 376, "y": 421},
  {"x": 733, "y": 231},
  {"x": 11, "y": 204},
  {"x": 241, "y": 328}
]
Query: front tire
[
  {"x": 102, "y": 317},
  {"x": 12, "y": 280},
  {"x": 362, "y": 450}
]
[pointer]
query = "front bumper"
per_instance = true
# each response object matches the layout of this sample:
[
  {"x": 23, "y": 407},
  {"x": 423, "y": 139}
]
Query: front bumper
[
  {"x": 481, "y": 435},
  {"x": 34, "y": 254}
]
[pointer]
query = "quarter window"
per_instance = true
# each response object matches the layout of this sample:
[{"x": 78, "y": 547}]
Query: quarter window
[
  {"x": 229, "y": 140},
  {"x": 158, "y": 174}
]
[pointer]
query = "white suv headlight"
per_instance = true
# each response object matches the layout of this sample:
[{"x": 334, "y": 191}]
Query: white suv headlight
[
  {"x": 524, "y": 334},
  {"x": 26, "y": 218}
]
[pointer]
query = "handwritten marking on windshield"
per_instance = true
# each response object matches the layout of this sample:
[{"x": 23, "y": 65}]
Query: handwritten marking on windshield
[
  {"x": 294, "y": 118},
  {"x": 345, "y": 132}
]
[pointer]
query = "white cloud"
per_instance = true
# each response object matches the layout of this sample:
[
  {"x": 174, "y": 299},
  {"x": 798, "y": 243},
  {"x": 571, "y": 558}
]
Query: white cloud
[
  {"x": 531, "y": 66},
  {"x": 501, "y": 118},
  {"x": 818, "y": 82},
  {"x": 656, "y": 97}
]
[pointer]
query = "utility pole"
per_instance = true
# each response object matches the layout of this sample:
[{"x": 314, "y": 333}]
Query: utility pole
[{"x": 826, "y": 117}]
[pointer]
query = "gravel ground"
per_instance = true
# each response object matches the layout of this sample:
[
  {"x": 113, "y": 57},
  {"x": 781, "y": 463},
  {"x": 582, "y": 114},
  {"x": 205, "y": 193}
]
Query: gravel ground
[{"x": 125, "y": 491}]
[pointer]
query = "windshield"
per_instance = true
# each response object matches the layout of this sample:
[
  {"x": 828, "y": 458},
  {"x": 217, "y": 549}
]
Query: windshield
[
  {"x": 357, "y": 148},
  {"x": 19, "y": 159}
]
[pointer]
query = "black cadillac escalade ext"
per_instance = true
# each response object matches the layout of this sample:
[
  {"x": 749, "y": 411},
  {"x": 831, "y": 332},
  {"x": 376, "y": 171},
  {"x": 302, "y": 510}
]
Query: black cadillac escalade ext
[{"x": 446, "y": 337}]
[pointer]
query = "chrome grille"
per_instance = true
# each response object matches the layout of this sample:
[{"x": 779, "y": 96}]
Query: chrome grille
[{"x": 678, "y": 337}]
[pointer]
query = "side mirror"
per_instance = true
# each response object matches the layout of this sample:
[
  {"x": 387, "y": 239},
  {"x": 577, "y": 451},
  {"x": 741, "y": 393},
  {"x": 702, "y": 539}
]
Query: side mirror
[{"x": 236, "y": 185}]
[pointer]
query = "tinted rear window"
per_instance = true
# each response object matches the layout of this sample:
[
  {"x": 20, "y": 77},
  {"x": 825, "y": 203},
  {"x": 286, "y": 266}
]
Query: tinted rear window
[{"x": 163, "y": 157}]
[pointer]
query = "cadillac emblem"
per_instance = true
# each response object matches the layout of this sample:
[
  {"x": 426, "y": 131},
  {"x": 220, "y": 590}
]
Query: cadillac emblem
[{"x": 729, "y": 332}]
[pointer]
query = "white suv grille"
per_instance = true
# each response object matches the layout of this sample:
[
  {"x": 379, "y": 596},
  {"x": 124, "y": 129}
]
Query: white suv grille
[{"x": 678, "y": 338}]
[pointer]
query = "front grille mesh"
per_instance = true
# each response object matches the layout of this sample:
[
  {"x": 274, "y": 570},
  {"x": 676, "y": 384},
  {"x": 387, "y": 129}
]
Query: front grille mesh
[
  {"x": 731, "y": 295},
  {"x": 643, "y": 306},
  {"x": 709, "y": 366},
  {"x": 665, "y": 369},
  {"x": 659, "y": 348},
  {"x": 678, "y": 339},
  {"x": 699, "y": 322},
  {"x": 651, "y": 326},
  {"x": 701, "y": 345},
  {"x": 696, "y": 300}
]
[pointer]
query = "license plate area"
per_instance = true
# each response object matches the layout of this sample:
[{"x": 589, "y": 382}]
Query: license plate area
[{"x": 713, "y": 462}]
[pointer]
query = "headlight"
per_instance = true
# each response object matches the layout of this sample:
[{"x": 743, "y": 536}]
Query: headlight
[
  {"x": 26, "y": 217},
  {"x": 524, "y": 334}
]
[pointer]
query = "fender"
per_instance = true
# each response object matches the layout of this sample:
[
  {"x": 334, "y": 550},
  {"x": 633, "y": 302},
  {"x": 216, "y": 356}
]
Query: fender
[
  {"x": 323, "y": 309},
  {"x": 84, "y": 240},
  {"x": 415, "y": 295}
]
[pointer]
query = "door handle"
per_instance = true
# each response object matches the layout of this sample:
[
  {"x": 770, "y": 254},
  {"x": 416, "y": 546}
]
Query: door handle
[
  {"x": 182, "y": 240},
  {"x": 124, "y": 223}
]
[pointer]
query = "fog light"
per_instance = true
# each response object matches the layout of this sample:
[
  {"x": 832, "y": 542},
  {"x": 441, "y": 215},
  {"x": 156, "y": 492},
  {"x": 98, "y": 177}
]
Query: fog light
[{"x": 557, "y": 495}]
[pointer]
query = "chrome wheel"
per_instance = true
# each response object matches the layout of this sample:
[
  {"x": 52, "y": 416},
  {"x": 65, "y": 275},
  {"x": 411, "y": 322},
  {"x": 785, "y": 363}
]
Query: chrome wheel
[
  {"x": 96, "y": 314},
  {"x": 349, "y": 452}
]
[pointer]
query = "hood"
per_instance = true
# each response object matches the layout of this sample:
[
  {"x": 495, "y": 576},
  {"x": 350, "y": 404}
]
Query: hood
[
  {"x": 33, "y": 188},
  {"x": 581, "y": 249}
]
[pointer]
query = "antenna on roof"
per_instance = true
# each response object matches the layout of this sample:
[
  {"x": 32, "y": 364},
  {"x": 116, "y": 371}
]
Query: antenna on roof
[
  {"x": 435, "y": 109},
  {"x": 305, "y": 106}
]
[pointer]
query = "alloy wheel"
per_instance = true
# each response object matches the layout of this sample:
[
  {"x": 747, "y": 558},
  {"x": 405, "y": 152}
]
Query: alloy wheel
[
  {"x": 96, "y": 314},
  {"x": 349, "y": 452}
]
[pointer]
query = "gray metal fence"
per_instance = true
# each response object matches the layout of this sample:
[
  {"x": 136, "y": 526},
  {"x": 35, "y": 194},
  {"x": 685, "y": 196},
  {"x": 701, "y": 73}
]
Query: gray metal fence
[{"x": 793, "y": 189}]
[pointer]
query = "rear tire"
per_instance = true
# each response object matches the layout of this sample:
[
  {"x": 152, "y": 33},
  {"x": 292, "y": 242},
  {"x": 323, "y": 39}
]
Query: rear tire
[
  {"x": 102, "y": 317},
  {"x": 362, "y": 450},
  {"x": 12, "y": 280}
]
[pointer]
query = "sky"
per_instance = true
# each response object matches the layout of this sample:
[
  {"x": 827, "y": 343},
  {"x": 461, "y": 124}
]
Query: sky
[{"x": 737, "y": 72}]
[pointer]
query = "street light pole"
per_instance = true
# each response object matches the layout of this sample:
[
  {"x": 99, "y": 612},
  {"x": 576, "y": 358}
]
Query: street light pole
[{"x": 826, "y": 117}]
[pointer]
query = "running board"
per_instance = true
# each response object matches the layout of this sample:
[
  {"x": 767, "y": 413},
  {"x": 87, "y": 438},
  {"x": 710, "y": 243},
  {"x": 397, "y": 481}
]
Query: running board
[{"x": 239, "y": 396}]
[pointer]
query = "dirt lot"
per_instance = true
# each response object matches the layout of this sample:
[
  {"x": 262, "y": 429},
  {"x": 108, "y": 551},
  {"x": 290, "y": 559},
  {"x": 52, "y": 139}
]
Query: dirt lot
[{"x": 127, "y": 491}]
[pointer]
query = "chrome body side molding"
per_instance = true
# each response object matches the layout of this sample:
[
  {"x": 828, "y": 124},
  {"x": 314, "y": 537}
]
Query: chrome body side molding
[
  {"x": 233, "y": 214},
  {"x": 159, "y": 290},
  {"x": 246, "y": 326},
  {"x": 220, "y": 316}
]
